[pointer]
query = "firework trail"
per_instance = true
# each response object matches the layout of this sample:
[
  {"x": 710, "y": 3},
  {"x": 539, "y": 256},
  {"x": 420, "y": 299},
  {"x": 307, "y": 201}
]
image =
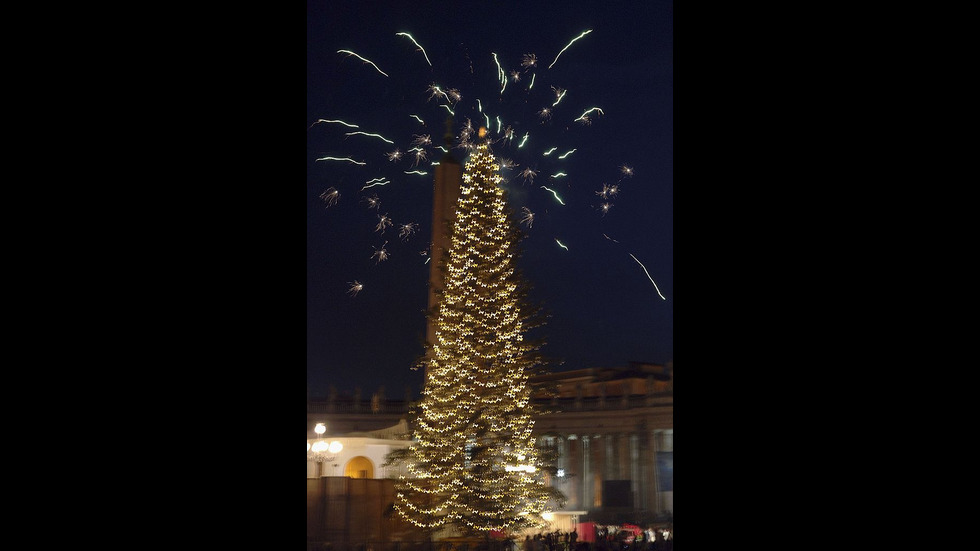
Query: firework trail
[
  {"x": 553, "y": 192},
  {"x": 500, "y": 128},
  {"x": 362, "y": 59},
  {"x": 334, "y": 121},
  {"x": 559, "y": 93},
  {"x": 648, "y": 276},
  {"x": 373, "y": 183},
  {"x": 417, "y": 45},
  {"x": 368, "y": 134},
  {"x": 566, "y": 47},
  {"x": 348, "y": 159},
  {"x": 585, "y": 116}
]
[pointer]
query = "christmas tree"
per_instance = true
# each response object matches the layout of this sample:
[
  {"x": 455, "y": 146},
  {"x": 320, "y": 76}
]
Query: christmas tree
[{"x": 474, "y": 466}]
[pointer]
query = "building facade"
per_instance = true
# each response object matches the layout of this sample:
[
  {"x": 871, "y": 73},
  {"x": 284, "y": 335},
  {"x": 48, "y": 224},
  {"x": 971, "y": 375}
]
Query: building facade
[{"x": 612, "y": 427}]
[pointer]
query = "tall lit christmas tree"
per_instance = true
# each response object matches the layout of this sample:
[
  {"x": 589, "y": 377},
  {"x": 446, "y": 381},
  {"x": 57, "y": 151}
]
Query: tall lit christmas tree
[{"x": 473, "y": 465}]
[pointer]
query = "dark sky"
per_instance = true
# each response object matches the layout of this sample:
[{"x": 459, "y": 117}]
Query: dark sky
[{"x": 605, "y": 310}]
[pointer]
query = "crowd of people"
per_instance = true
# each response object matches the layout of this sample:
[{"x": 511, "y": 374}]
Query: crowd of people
[
  {"x": 603, "y": 538},
  {"x": 606, "y": 538}
]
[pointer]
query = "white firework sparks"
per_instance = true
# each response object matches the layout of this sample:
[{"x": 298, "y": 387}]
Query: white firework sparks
[
  {"x": 383, "y": 223},
  {"x": 381, "y": 254},
  {"x": 528, "y": 217},
  {"x": 528, "y": 175},
  {"x": 608, "y": 191},
  {"x": 372, "y": 202},
  {"x": 407, "y": 230},
  {"x": 330, "y": 196},
  {"x": 420, "y": 155}
]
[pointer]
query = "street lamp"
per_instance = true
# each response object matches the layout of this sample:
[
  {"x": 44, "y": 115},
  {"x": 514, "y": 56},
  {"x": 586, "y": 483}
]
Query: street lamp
[{"x": 321, "y": 450}]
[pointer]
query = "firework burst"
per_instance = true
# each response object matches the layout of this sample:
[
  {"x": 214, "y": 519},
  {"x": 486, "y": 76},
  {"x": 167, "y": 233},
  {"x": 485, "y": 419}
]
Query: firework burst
[
  {"x": 355, "y": 287},
  {"x": 380, "y": 254},
  {"x": 330, "y": 196}
]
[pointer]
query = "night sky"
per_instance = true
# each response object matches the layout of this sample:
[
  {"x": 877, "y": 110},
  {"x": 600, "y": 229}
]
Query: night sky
[{"x": 604, "y": 309}]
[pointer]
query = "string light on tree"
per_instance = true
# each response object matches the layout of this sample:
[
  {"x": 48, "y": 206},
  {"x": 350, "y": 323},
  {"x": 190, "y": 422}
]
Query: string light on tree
[{"x": 474, "y": 465}]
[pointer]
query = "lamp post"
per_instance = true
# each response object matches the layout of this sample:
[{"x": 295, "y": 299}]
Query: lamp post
[{"x": 321, "y": 450}]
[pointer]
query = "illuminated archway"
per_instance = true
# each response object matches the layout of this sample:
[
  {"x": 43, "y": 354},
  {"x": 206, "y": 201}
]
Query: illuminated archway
[{"x": 359, "y": 467}]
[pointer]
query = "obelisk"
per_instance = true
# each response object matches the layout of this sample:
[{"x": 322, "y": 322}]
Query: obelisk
[{"x": 448, "y": 178}]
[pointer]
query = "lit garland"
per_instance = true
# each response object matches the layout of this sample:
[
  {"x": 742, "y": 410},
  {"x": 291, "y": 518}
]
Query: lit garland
[{"x": 473, "y": 463}]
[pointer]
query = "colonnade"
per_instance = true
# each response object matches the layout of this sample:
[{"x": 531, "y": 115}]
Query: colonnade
[{"x": 622, "y": 464}]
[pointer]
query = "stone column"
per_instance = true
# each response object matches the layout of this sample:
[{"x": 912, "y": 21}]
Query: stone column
[
  {"x": 634, "y": 454},
  {"x": 563, "y": 464},
  {"x": 654, "y": 486},
  {"x": 667, "y": 497},
  {"x": 643, "y": 449},
  {"x": 611, "y": 463},
  {"x": 445, "y": 196},
  {"x": 575, "y": 466},
  {"x": 624, "y": 456},
  {"x": 599, "y": 461},
  {"x": 586, "y": 474}
]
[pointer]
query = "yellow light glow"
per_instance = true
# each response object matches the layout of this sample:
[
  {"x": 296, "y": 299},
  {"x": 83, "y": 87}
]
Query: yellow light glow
[{"x": 473, "y": 462}]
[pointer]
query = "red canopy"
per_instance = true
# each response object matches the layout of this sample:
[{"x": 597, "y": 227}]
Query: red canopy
[{"x": 632, "y": 528}]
